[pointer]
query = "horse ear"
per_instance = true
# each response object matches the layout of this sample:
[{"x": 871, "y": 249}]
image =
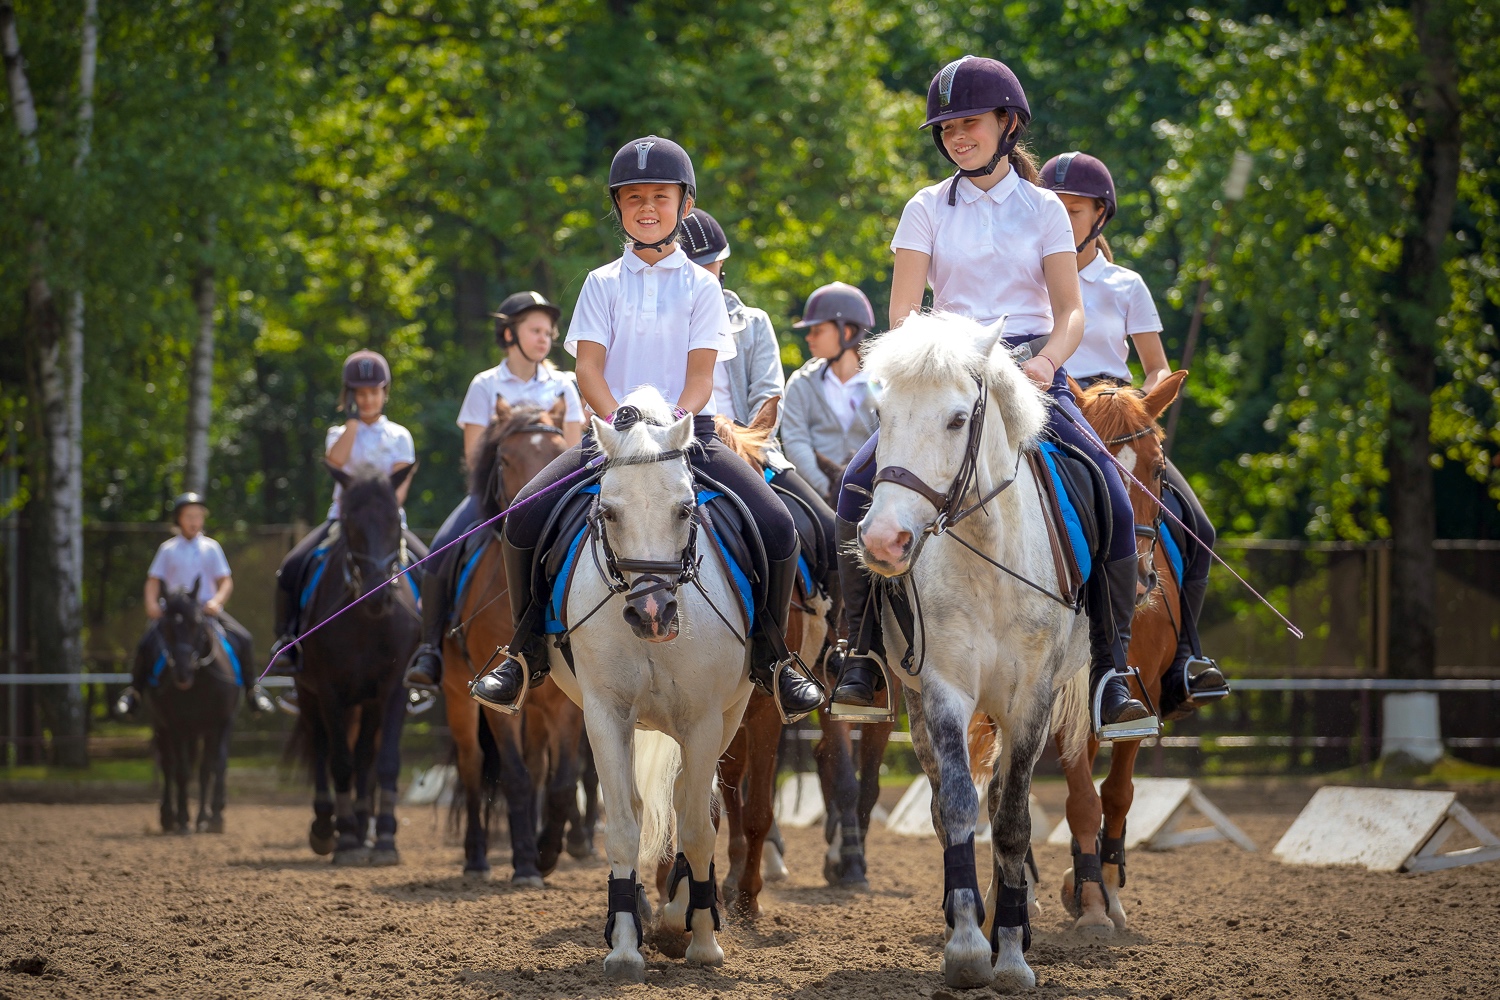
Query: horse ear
[
  {"x": 559, "y": 412},
  {"x": 680, "y": 434},
  {"x": 1158, "y": 399},
  {"x": 340, "y": 476},
  {"x": 607, "y": 437},
  {"x": 992, "y": 335},
  {"x": 402, "y": 475},
  {"x": 765, "y": 417},
  {"x": 502, "y": 409},
  {"x": 197, "y": 582}
]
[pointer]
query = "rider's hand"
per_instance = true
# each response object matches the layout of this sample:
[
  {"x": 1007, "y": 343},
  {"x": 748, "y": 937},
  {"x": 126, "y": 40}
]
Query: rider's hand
[
  {"x": 212, "y": 607},
  {"x": 1040, "y": 370},
  {"x": 153, "y": 611}
]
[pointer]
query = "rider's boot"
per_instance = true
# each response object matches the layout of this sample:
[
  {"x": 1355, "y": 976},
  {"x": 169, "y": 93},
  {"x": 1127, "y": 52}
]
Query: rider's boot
[
  {"x": 286, "y": 658},
  {"x": 1193, "y": 679},
  {"x": 129, "y": 701},
  {"x": 859, "y": 678},
  {"x": 526, "y": 662},
  {"x": 1111, "y": 607},
  {"x": 257, "y": 699},
  {"x": 795, "y": 693},
  {"x": 425, "y": 671}
]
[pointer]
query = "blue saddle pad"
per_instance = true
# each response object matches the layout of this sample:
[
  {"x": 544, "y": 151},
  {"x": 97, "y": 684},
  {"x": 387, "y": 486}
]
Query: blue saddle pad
[
  {"x": 234, "y": 662},
  {"x": 558, "y": 587},
  {"x": 319, "y": 562},
  {"x": 1077, "y": 539},
  {"x": 1169, "y": 538}
]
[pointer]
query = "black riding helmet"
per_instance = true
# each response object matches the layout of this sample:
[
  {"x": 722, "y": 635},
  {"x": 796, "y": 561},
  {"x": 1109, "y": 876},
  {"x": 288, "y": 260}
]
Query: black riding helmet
[
  {"x": 653, "y": 160},
  {"x": 1085, "y": 176},
  {"x": 516, "y": 306},
  {"x": 703, "y": 239},
  {"x": 843, "y": 304},
  {"x": 364, "y": 369},
  {"x": 970, "y": 86},
  {"x": 187, "y": 500}
]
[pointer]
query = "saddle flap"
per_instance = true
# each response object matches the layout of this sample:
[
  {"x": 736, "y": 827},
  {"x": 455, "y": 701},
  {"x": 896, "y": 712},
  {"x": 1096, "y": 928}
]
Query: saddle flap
[
  {"x": 723, "y": 519},
  {"x": 1077, "y": 504}
]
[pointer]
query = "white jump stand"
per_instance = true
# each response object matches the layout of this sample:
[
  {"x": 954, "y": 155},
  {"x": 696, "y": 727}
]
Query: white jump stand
[
  {"x": 1157, "y": 813},
  {"x": 1384, "y": 830}
]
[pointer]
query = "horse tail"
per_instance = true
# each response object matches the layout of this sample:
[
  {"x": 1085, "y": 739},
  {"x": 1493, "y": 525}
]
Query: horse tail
[
  {"x": 658, "y": 759},
  {"x": 1070, "y": 717},
  {"x": 984, "y": 747}
]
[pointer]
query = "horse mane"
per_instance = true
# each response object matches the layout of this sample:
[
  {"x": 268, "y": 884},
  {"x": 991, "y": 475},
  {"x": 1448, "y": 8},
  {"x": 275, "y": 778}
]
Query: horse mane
[
  {"x": 747, "y": 442},
  {"x": 637, "y": 440},
  {"x": 1116, "y": 412},
  {"x": 940, "y": 348},
  {"x": 481, "y": 475}
]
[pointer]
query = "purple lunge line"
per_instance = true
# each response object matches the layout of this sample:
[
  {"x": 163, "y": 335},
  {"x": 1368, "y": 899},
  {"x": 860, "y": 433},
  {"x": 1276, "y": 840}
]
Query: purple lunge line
[
  {"x": 592, "y": 463},
  {"x": 1297, "y": 632}
]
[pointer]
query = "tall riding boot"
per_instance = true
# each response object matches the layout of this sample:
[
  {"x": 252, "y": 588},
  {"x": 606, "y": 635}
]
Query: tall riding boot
[
  {"x": 1111, "y": 607},
  {"x": 1192, "y": 680},
  {"x": 285, "y": 657},
  {"x": 525, "y": 663},
  {"x": 859, "y": 678},
  {"x": 425, "y": 671},
  {"x": 795, "y": 693}
]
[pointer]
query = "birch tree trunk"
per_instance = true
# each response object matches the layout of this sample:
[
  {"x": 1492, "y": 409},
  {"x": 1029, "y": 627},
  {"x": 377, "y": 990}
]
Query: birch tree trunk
[{"x": 201, "y": 388}]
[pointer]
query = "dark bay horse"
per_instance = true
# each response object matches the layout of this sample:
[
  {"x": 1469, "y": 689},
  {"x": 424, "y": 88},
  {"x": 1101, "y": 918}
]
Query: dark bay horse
[
  {"x": 542, "y": 745},
  {"x": 349, "y": 688},
  {"x": 192, "y": 705}
]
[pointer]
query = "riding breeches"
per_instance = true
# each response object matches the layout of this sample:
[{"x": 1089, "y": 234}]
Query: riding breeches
[
  {"x": 792, "y": 482},
  {"x": 289, "y": 576}
]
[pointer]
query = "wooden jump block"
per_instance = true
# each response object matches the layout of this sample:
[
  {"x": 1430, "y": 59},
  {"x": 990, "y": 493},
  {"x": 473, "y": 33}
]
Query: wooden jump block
[
  {"x": 1157, "y": 814},
  {"x": 799, "y": 801},
  {"x": 1385, "y": 830},
  {"x": 912, "y": 816}
]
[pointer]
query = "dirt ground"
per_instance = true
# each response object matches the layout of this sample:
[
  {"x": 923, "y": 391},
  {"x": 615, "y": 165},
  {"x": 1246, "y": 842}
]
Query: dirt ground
[{"x": 95, "y": 903}]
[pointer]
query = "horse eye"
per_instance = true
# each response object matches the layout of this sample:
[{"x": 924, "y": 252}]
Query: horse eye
[
  {"x": 684, "y": 511},
  {"x": 607, "y": 513},
  {"x": 958, "y": 421}
]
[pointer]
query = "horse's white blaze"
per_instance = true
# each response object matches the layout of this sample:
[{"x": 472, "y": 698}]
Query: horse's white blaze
[{"x": 1127, "y": 458}]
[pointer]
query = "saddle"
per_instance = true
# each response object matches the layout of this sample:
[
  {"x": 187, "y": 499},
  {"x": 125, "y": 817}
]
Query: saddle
[
  {"x": 721, "y": 517},
  {"x": 813, "y": 547},
  {"x": 151, "y": 643},
  {"x": 318, "y": 561},
  {"x": 1173, "y": 541},
  {"x": 1076, "y": 500}
]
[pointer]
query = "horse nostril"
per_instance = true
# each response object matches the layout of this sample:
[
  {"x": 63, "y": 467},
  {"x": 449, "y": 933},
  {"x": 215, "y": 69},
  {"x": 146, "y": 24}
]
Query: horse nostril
[
  {"x": 633, "y": 616},
  {"x": 903, "y": 540}
]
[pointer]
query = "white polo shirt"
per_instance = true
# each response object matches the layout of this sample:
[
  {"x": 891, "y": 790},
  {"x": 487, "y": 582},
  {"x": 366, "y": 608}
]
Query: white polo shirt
[
  {"x": 1116, "y": 305},
  {"x": 648, "y": 318},
  {"x": 542, "y": 389},
  {"x": 382, "y": 444},
  {"x": 987, "y": 249},
  {"x": 179, "y": 561},
  {"x": 844, "y": 398}
]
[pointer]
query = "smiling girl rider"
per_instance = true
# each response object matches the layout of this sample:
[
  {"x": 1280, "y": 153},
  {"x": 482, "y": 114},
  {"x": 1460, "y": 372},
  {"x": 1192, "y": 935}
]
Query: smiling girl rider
[
  {"x": 653, "y": 318},
  {"x": 992, "y": 244},
  {"x": 1118, "y": 311}
]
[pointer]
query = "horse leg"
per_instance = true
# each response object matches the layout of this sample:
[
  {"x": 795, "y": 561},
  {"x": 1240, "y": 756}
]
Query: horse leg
[
  {"x": 581, "y": 821},
  {"x": 590, "y": 790},
  {"x": 363, "y": 756},
  {"x": 321, "y": 836},
  {"x": 350, "y": 848},
  {"x": 464, "y": 722},
  {"x": 701, "y": 748},
  {"x": 387, "y": 772},
  {"x": 1087, "y": 903},
  {"x": 835, "y": 756},
  {"x": 1010, "y": 821},
  {"x": 561, "y": 777},
  {"x": 520, "y": 799},
  {"x": 184, "y": 775},
  {"x": 219, "y": 743},
  {"x": 940, "y": 729},
  {"x": 167, "y": 758},
  {"x": 732, "y": 767},
  {"x": 205, "y": 775},
  {"x": 764, "y": 734},
  {"x": 612, "y": 739},
  {"x": 1118, "y": 792}
]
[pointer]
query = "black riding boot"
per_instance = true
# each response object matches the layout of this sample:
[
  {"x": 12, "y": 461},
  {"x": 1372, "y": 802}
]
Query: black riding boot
[
  {"x": 425, "y": 671},
  {"x": 859, "y": 678},
  {"x": 1192, "y": 680},
  {"x": 1111, "y": 607},
  {"x": 503, "y": 687},
  {"x": 286, "y": 659},
  {"x": 795, "y": 693}
]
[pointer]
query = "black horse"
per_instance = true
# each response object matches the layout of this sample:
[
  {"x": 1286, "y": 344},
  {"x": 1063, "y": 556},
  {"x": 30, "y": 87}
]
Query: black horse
[
  {"x": 192, "y": 701},
  {"x": 349, "y": 688}
]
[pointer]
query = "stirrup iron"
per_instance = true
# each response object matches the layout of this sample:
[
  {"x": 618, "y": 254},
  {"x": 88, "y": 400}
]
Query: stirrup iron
[
  {"x": 1135, "y": 729},
  {"x": 840, "y": 711},
  {"x": 792, "y": 661},
  {"x": 502, "y": 653},
  {"x": 1196, "y": 665}
]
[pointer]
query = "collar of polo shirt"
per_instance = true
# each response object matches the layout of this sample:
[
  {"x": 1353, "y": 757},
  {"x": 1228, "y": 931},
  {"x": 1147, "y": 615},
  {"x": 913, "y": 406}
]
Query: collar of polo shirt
[
  {"x": 1094, "y": 268},
  {"x": 635, "y": 265},
  {"x": 970, "y": 192}
]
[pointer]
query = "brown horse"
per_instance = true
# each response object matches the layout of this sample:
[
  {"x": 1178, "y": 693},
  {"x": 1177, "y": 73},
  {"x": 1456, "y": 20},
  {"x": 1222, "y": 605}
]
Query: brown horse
[
  {"x": 541, "y": 747},
  {"x": 1126, "y": 420}
]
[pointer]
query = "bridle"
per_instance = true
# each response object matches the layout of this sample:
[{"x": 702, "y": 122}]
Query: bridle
[
  {"x": 496, "y": 485},
  {"x": 205, "y": 637}
]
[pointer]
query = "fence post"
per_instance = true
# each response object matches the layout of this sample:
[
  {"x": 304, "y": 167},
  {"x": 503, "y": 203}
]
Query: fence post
[
  {"x": 1382, "y": 609},
  {"x": 1364, "y": 731}
]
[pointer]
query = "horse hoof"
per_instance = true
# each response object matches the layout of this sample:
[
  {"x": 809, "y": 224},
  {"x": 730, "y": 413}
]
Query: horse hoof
[
  {"x": 625, "y": 969},
  {"x": 713, "y": 957},
  {"x": 582, "y": 850},
  {"x": 385, "y": 857},
  {"x": 527, "y": 882},
  {"x": 1067, "y": 895},
  {"x": 671, "y": 943},
  {"x": 966, "y": 959},
  {"x": 216, "y": 824},
  {"x": 1014, "y": 979},
  {"x": 321, "y": 846},
  {"x": 352, "y": 856},
  {"x": 183, "y": 830},
  {"x": 1094, "y": 926},
  {"x": 476, "y": 874}
]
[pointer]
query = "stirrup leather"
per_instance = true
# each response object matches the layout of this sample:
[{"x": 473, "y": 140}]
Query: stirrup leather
[
  {"x": 504, "y": 653},
  {"x": 1136, "y": 729},
  {"x": 867, "y": 714},
  {"x": 791, "y": 662}
]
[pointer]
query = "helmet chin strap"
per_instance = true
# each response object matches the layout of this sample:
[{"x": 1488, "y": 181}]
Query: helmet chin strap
[
  {"x": 665, "y": 240},
  {"x": 1008, "y": 141},
  {"x": 1093, "y": 233}
]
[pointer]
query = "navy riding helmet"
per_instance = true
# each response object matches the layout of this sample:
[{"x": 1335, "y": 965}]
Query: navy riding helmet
[
  {"x": 843, "y": 304},
  {"x": 187, "y": 499},
  {"x": 366, "y": 368},
  {"x": 703, "y": 239},
  {"x": 517, "y": 305},
  {"x": 971, "y": 86},
  {"x": 653, "y": 160},
  {"x": 1085, "y": 176}
]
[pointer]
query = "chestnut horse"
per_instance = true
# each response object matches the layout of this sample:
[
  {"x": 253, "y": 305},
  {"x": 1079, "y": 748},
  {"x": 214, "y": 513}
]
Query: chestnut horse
[{"x": 541, "y": 747}]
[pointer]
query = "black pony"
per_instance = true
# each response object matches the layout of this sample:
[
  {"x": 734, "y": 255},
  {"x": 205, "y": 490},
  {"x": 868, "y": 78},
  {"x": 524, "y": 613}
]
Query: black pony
[
  {"x": 350, "y": 682},
  {"x": 192, "y": 701}
]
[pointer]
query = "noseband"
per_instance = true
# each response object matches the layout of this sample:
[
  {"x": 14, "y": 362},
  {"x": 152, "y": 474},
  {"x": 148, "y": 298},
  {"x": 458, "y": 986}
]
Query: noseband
[{"x": 205, "y": 631}]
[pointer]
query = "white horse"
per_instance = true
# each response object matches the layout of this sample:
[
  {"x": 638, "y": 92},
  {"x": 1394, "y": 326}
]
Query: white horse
[
  {"x": 667, "y": 677},
  {"x": 956, "y": 416}
]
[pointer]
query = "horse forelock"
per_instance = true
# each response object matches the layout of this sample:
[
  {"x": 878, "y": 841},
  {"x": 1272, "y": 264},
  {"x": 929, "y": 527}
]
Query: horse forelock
[
  {"x": 368, "y": 495},
  {"x": 481, "y": 475},
  {"x": 1116, "y": 413},
  {"x": 644, "y": 438}
]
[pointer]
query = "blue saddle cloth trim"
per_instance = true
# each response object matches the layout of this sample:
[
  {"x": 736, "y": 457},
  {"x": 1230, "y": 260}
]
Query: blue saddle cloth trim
[
  {"x": 1173, "y": 550},
  {"x": 463, "y": 574},
  {"x": 736, "y": 571},
  {"x": 1081, "y": 551},
  {"x": 320, "y": 563},
  {"x": 234, "y": 661}
]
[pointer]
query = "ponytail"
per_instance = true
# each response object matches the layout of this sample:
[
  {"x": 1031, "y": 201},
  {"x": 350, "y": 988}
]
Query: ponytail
[
  {"x": 1103, "y": 245},
  {"x": 1024, "y": 163}
]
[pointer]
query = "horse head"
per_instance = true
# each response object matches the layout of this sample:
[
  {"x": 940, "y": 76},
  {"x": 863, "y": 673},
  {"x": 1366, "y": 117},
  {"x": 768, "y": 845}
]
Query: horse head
[
  {"x": 955, "y": 415},
  {"x": 185, "y": 635},
  {"x": 644, "y": 517},
  {"x": 518, "y": 443},
  {"x": 370, "y": 521},
  {"x": 1126, "y": 421}
]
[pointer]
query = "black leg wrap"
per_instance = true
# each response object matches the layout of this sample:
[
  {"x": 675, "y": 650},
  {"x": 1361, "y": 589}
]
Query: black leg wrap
[
  {"x": 1011, "y": 911},
  {"x": 623, "y": 897},
  {"x": 1086, "y": 868},
  {"x": 701, "y": 895},
  {"x": 1036, "y": 873},
  {"x": 958, "y": 873},
  {"x": 1112, "y": 852}
]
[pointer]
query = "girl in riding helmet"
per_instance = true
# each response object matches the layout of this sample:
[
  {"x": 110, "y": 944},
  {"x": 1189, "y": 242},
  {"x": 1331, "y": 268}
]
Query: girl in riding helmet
[
  {"x": 525, "y": 328},
  {"x": 751, "y": 379},
  {"x": 1118, "y": 310},
  {"x": 830, "y": 404},
  {"x": 368, "y": 437},
  {"x": 651, "y": 318},
  {"x": 993, "y": 244}
]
